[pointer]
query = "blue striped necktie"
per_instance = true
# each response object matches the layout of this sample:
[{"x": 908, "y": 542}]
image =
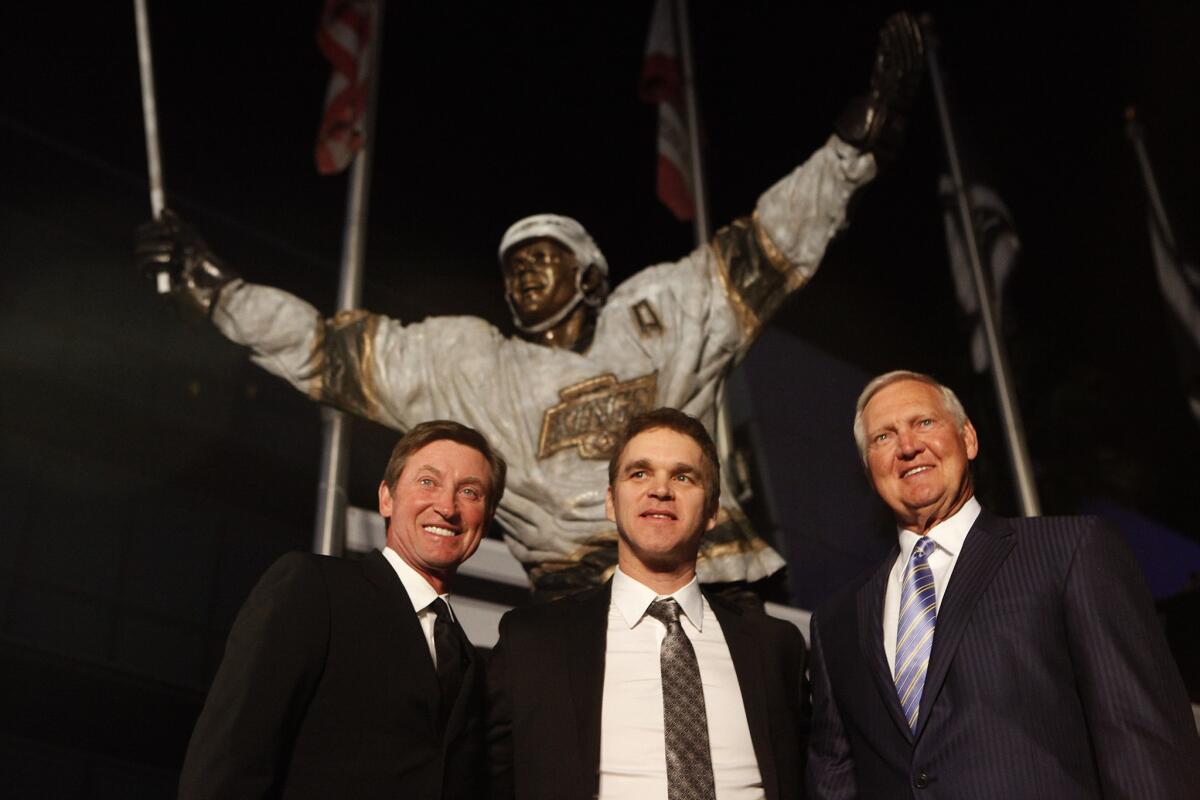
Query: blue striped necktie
[{"x": 914, "y": 636}]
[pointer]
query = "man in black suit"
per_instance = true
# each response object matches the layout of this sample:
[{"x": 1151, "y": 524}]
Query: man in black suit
[
  {"x": 646, "y": 686},
  {"x": 351, "y": 678},
  {"x": 988, "y": 657}
]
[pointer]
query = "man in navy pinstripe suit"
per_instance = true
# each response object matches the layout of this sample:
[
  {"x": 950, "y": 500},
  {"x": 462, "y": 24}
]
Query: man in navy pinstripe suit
[{"x": 1010, "y": 658}]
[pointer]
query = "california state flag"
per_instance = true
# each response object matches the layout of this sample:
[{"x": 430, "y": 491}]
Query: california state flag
[{"x": 662, "y": 84}]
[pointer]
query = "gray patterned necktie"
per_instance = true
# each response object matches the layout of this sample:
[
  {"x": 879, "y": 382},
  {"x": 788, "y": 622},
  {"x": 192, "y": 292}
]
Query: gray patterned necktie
[{"x": 689, "y": 760}]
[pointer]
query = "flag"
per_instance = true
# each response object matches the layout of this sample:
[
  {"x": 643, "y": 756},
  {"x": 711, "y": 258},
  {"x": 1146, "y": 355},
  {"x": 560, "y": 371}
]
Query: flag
[
  {"x": 999, "y": 249},
  {"x": 1178, "y": 277},
  {"x": 662, "y": 83},
  {"x": 344, "y": 37},
  {"x": 1179, "y": 280}
]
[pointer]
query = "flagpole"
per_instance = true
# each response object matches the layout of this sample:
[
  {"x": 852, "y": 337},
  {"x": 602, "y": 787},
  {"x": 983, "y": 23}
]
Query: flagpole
[
  {"x": 699, "y": 195},
  {"x": 154, "y": 169},
  {"x": 1134, "y": 130},
  {"x": 724, "y": 430},
  {"x": 329, "y": 535},
  {"x": 734, "y": 386},
  {"x": 1014, "y": 433}
]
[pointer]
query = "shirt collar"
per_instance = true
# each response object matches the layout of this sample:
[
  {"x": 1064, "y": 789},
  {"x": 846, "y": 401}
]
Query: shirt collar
[
  {"x": 948, "y": 534},
  {"x": 419, "y": 591},
  {"x": 632, "y": 598}
]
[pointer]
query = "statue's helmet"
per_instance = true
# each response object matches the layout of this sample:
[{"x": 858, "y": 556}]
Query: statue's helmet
[{"x": 571, "y": 235}]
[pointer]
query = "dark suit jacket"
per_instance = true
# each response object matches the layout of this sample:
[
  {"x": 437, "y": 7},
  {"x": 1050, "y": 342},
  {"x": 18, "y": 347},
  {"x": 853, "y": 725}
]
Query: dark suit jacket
[
  {"x": 327, "y": 690},
  {"x": 546, "y": 684},
  {"x": 1049, "y": 677}
]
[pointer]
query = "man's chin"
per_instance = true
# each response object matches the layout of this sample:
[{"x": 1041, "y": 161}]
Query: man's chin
[{"x": 663, "y": 561}]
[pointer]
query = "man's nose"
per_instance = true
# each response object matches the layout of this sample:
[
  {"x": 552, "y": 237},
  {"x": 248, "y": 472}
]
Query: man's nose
[
  {"x": 446, "y": 503},
  {"x": 660, "y": 488},
  {"x": 908, "y": 444}
]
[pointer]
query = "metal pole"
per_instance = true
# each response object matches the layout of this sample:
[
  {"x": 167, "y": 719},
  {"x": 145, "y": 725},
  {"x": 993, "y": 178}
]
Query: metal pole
[
  {"x": 699, "y": 196},
  {"x": 1133, "y": 129},
  {"x": 734, "y": 385},
  {"x": 329, "y": 535},
  {"x": 1014, "y": 432},
  {"x": 150, "y": 122}
]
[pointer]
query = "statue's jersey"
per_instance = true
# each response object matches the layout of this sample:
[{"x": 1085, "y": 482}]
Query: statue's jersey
[{"x": 665, "y": 337}]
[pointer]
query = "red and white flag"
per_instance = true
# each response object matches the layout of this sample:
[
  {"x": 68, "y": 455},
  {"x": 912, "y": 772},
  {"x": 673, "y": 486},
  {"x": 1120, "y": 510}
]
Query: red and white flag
[
  {"x": 344, "y": 36},
  {"x": 662, "y": 83}
]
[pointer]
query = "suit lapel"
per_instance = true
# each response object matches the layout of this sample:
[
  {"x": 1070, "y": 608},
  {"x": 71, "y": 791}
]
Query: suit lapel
[
  {"x": 402, "y": 632},
  {"x": 587, "y": 632},
  {"x": 746, "y": 653},
  {"x": 870, "y": 638},
  {"x": 458, "y": 714},
  {"x": 984, "y": 550}
]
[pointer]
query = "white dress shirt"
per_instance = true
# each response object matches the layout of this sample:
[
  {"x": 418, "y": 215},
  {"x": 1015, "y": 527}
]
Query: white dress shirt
[
  {"x": 948, "y": 537},
  {"x": 421, "y": 594},
  {"x": 633, "y": 759}
]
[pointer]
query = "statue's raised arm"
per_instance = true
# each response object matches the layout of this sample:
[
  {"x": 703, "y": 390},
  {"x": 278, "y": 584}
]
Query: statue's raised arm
[{"x": 552, "y": 398}]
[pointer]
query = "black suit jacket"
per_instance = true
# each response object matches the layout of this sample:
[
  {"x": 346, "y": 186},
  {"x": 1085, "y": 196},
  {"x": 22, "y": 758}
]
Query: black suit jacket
[
  {"x": 546, "y": 685},
  {"x": 327, "y": 689},
  {"x": 1049, "y": 677}
]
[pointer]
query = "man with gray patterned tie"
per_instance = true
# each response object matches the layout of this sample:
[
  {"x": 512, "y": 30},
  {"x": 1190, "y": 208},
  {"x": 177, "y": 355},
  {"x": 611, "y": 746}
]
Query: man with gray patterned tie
[
  {"x": 988, "y": 657},
  {"x": 647, "y": 687}
]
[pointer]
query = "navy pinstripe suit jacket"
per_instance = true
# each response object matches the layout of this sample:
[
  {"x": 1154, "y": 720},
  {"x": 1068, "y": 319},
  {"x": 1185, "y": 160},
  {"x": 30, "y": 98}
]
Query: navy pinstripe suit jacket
[{"x": 1049, "y": 677}]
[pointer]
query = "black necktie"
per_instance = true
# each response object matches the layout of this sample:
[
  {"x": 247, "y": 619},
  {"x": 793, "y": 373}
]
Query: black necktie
[
  {"x": 450, "y": 653},
  {"x": 689, "y": 760}
]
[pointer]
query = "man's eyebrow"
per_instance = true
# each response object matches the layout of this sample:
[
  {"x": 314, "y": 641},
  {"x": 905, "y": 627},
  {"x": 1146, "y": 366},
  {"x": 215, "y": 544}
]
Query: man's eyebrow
[
  {"x": 678, "y": 468},
  {"x": 429, "y": 468},
  {"x": 684, "y": 468}
]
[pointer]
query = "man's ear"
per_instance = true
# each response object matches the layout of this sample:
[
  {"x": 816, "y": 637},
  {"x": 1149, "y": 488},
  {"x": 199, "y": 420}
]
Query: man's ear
[
  {"x": 385, "y": 499},
  {"x": 609, "y": 511},
  {"x": 970, "y": 439}
]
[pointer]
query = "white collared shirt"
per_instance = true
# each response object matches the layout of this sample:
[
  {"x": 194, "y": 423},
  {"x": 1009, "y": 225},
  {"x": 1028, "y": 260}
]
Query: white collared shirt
[
  {"x": 948, "y": 537},
  {"x": 421, "y": 594},
  {"x": 633, "y": 760}
]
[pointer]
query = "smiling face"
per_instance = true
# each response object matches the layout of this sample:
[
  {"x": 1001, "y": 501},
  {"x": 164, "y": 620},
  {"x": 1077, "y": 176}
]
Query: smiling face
[
  {"x": 438, "y": 510},
  {"x": 657, "y": 501},
  {"x": 917, "y": 457},
  {"x": 539, "y": 277}
]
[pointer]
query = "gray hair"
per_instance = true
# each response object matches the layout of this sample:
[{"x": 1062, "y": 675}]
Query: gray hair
[{"x": 950, "y": 402}]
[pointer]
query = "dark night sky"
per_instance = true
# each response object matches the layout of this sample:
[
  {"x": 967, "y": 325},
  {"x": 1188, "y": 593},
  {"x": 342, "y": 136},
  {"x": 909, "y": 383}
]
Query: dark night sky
[{"x": 493, "y": 111}]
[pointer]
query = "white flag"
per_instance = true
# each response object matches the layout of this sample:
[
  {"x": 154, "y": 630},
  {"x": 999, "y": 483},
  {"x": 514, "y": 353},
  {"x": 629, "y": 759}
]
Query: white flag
[
  {"x": 999, "y": 249},
  {"x": 1180, "y": 284}
]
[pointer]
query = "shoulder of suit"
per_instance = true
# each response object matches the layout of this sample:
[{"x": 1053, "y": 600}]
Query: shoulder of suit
[
  {"x": 301, "y": 567},
  {"x": 754, "y": 618},
  {"x": 1061, "y": 539},
  {"x": 1068, "y": 527},
  {"x": 724, "y": 604},
  {"x": 295, "y": 564},
  {"x": 845, "y": 597},
  {"x": 563, "y": 608},
  {"x": 300, "y": 560}
]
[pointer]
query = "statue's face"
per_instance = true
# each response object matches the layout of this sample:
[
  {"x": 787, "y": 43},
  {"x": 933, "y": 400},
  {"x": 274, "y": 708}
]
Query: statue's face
[{"x": 539, "y": 278}]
